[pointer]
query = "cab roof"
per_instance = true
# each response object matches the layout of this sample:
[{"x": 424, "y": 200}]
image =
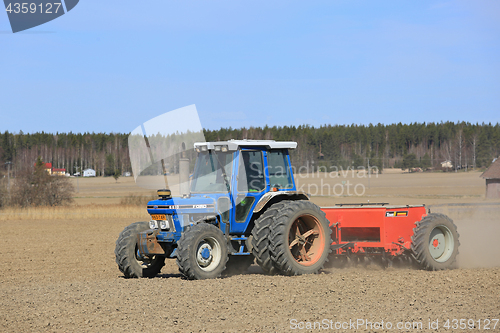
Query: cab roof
[{"x": 235, "y": 144}]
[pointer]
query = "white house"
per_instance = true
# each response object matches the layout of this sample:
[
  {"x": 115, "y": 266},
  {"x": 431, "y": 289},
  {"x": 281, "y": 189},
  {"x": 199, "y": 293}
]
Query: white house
[
  {"x": 89, "y": 173},
  {"x": 446, "y": 164}
]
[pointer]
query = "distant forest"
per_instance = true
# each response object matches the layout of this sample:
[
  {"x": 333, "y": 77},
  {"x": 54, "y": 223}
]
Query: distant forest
[{"x": 424, "y": 144}]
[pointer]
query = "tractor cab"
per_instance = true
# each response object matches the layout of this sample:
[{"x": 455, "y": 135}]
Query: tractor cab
[{"x": 228, "y": 182}]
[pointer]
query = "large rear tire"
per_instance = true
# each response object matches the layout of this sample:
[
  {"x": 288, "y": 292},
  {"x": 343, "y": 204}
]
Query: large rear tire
[
  {"x": 260, "y": 238},
  {"x": 127, "y": 257},
  {"x": 300, "y": 238},
  {"x": 435, "y": 242},
  {"x": 202, "y": 252}
]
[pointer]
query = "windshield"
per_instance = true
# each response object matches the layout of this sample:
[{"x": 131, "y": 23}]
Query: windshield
[{"x": 208, "y": 174}]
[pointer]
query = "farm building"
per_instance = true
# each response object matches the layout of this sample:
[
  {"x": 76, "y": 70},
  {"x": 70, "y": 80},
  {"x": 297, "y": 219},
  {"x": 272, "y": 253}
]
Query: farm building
[
  {"x": 89, "y": 173},
  {"x": 47, "y": 167},
  {"x": 58, "y": 172},
  {"x": 446, "y": 165},
  {"x": 492, "y": 176},
  {"x": 53, "y": 171}
]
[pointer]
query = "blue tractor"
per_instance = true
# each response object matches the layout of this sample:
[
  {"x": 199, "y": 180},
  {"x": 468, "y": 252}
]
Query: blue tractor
[{"x": 242, "y": 205}]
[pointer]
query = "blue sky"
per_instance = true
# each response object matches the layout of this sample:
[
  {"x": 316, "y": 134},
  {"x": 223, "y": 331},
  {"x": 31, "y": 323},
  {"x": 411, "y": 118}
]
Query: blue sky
[{"x": 108, "y": 66}]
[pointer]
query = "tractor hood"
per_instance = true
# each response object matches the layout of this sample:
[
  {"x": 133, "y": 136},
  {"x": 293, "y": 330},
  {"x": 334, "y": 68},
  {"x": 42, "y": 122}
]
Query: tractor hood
[{"x": 190, "y": 205}]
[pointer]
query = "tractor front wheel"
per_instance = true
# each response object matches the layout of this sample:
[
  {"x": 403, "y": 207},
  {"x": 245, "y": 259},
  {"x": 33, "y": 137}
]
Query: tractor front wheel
[
  {"x": 202, "y": 252},
  {"x": 435, "y": 242},
  {"x": 127, "y": 254},
  {"x": 300, "y": 238}
]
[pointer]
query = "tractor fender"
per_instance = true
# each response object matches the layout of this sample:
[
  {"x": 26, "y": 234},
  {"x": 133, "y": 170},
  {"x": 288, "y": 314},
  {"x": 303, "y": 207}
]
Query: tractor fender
[{"x": 288, "y": 195}]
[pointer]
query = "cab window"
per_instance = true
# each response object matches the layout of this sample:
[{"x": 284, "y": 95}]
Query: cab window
[
  {"x": 251, "y": 171},
  {"x": 279, "y": 172},
  {"x": 208, "y": 173}
]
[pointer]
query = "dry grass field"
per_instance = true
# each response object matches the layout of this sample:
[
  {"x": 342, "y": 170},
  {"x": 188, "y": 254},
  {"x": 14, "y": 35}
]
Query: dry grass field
[
  {"x": 57, "y": 269},
  {"x": 391, "y": 185},
  {"x": 395, "y": 188}
]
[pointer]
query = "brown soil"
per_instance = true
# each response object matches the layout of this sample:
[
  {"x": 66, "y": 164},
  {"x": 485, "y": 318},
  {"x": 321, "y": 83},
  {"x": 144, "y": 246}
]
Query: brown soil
[{"x": 60, "y": 276}]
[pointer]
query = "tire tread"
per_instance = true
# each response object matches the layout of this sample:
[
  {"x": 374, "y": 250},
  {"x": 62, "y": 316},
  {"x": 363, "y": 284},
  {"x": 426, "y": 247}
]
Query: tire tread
[
  {"x": 279, "y": 239},
  {"x": 420, "y": 242},
  {"x": 188, "y": 266},
  {"x": 260, "y": 238},
  {"x": 125, "y": 255}
]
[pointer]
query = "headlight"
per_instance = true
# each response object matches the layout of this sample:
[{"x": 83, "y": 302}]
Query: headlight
[
  {"x": 164, "y": 225},
  {"x": 153, "y": 224}
]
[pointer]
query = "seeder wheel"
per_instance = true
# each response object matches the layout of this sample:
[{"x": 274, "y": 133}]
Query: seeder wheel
[{"x": 435, "y": 242}]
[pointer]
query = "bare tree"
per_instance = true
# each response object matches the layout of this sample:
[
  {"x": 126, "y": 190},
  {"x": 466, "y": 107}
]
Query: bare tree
[
  {"x": 473, "y": 141},
  {"x": 460, "y": 144},
  {"x": 35, "y": 187}
]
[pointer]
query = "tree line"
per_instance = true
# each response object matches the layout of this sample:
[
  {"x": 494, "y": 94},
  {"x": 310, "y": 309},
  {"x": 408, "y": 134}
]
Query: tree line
[
  {"x": 464, "y": 144},
  {"x": 425, "y": 144},
  {"x": 102, "y": 152}
]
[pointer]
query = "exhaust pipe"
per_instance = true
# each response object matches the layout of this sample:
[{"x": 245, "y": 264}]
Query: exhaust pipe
[{"x": 184, "y": 173}]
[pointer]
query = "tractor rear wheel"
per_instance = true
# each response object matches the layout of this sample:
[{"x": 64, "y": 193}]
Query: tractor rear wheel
[
  {"x": 300, "y": 238},
  {"x": 127, "y": 255},
  {"x": 435, "y": 242},
  {"x": 202, "y": 252},
  {"x": 260, "y": 238}
]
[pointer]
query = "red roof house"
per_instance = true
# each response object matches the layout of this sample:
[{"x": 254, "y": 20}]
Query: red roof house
[{"x": 47, "y": 167}]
